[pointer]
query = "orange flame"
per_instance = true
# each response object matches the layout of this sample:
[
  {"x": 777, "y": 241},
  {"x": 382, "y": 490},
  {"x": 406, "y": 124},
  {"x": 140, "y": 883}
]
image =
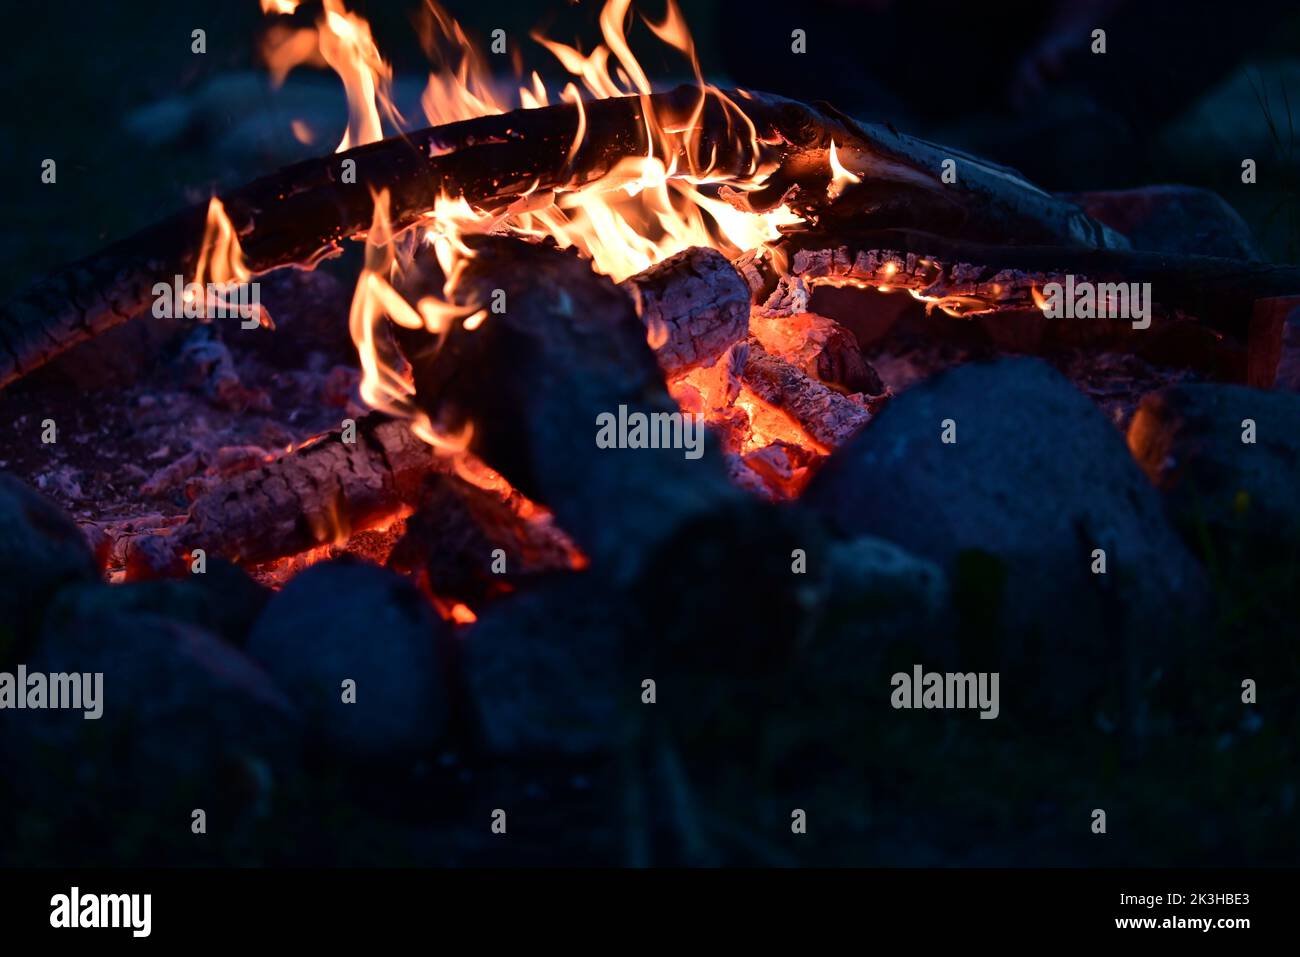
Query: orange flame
[
  {"x": 1039, "y": 299},
  {"x": 342, "y": 41},
  {"x": 383, "y": 384},
  {"x": 221, "y": 258},
  {"x": 461, "y": 87},
  {"x": 672, "y": 195},
  {"x": 220, "y": 262},
  {"x": 643, "y": 210},
  {"x": 840, "y": 177}
]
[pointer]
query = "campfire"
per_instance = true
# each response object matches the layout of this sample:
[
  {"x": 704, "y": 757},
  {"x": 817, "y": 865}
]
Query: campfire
[
  {"x": 716, "y": 215},
  {"x": 608, "y": 332}
]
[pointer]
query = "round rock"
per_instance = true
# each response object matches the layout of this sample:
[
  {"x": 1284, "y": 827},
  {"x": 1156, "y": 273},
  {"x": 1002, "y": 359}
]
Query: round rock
[
  {"x": 166, "y": 718},
  {"x": 41, "y": 550},
  {"x": 357, "y": 650},
  {"x": 1033, "y": 481}
]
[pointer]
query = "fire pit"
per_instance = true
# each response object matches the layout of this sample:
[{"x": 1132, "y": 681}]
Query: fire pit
[{"x": 611, "y": 427}]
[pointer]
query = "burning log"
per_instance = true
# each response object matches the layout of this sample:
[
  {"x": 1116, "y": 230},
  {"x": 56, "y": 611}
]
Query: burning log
[
  {"x": 695, "y": 307},
  {"x": 827, "y": 417},
  {"x": 819, "y": 346},
  {"x": 316, "y": 495},
  {"x": 300, "y": 214},
  {"x": 971, "y": 278}
]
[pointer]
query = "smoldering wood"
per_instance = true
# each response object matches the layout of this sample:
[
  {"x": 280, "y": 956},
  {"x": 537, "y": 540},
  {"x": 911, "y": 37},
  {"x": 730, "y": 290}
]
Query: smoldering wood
[
  {"x": 695, "y": 307},
  {"x": 114, "y": 541},
  {"x": 301, "y": 213},
  {"x": 819, "y": 346},
  {"x": 828, "y": 417},
  {"x": 1218, "y": 292},
  {"x": 316, "y": 495},
  {"x": 451, "y": 539},
  {"x": 777, "y": 472}
]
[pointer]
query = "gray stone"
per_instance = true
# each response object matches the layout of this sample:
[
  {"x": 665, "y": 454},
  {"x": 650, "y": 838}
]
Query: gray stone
[
  {"x": 1037, "y": 479},
  {"x": 1188, "y": 438},
  {"x": 223, "y": 600},
  {"x": 186, "y": 722},
  {"x": 542, "y": 669},
  {"x": 41, "y": 551},
  {"x": 873, "y": 598},
  {"x": 350, "y": 621},
  {"x": 1185, "y": 220}
]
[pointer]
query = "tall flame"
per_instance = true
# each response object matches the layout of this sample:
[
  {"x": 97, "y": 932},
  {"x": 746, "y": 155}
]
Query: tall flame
[
  {"x": 644, "y": 209},
  {"x": 461, "y": 87},
  {"x": 221, "y": 258},
  {"x": 383, "y": 384},
  {"x": 343, "y": 41}
]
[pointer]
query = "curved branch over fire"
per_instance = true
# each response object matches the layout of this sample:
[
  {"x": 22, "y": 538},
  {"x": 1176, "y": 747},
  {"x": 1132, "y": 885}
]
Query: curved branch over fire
[{"x": 300, "y": 214}]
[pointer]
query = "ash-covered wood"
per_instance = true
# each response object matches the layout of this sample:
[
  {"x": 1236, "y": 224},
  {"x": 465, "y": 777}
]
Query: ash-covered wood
[
  {"x": 116, "y": 542},
  {"x": 695, "y": 307},
  {"x": 828, "y": 417},
  {"x": 316, "y": 495},
  {"x": 301, "y": 213}
]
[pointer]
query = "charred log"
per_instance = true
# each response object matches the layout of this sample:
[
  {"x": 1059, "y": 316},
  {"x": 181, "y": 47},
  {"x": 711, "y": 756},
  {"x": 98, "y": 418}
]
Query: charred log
[
  {"x": 1219, "y": 292},
  {"x": 467, "y": 544},
  {"x": 829, "y": 418},
  {"x": 534, "y": 384},
  {"x": 317, "y": 495},
  {"x": 695, "y": 307}
]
